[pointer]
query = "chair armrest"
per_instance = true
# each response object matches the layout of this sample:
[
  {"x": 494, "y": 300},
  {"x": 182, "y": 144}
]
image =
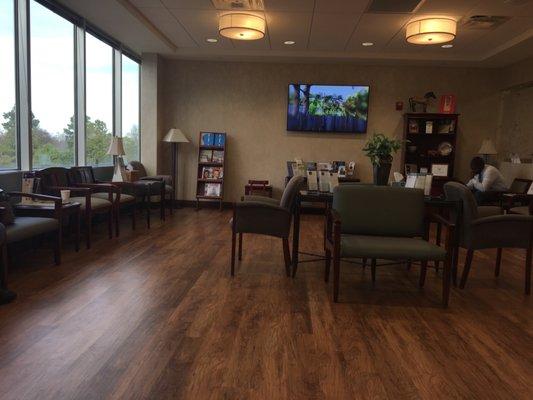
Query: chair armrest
[
  {"x": 433, "y": 217},
  {"x": 262, "y": 218},
  {"x": 73, "y": 189},
  {"x": 166, "y": 178},
  {"x": 58, "y": 203},
  {"x": 260, "y": 199},
  {"x": 502, "y": 231}
]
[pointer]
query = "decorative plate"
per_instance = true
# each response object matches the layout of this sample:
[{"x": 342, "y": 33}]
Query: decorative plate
[{"x": 445, "y": 148}]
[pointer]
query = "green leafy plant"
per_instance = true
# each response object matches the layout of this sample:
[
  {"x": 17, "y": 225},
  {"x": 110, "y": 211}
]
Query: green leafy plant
[{"x": 380, "y": 148}]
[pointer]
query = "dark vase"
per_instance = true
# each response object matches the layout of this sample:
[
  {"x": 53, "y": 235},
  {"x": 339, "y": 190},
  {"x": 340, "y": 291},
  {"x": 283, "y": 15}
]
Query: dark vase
[{"x": 381, "y": 173}]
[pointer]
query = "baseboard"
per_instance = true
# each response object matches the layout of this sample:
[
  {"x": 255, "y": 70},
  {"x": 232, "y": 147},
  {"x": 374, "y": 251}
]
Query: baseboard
[{"x": 203, "y": 204}]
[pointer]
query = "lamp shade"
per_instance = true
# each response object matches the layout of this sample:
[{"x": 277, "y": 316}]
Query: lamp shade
[
  {"x": 241, "y": 26},
  {"x": 175, "y": 135},
  {"x": 431, "y": 31},
  {"x": 487, "y": 147},
  {"x": 116, "y": 148}
]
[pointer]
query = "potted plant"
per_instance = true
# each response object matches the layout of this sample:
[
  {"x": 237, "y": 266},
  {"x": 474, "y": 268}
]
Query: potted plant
[{"x": 380, "y": 149}]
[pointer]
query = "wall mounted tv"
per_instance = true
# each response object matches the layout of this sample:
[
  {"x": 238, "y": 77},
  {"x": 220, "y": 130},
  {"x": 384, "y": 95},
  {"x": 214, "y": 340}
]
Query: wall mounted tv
[{"x": 327, "y": 108}]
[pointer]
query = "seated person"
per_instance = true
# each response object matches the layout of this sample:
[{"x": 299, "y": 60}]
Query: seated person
[{"x": 486, "y": 180}]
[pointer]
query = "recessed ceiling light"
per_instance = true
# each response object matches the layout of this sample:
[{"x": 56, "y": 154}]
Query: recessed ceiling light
[
  {"x": 367, "y": 44},
  {"x": 211, "y": 40},
  {"x": 447, "y": 46},
  {"x": 289, "y": 42}
]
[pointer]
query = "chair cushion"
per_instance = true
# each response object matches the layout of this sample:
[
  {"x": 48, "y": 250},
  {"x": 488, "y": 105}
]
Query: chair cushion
[
  {"x": 7, "y": 216},
  {"x": 390, "y": 248},
  {"x": 27, "y": 227},
  {"x": 524, "y": 210},
  {"x": 168, "y": 188},
  {"x": 488, "y": 211},
  {"x": 124, "y": 198},
  {"x": 144, "y": 187},
  {"x": 96, "y": 202},
  {"x": 261, "y": 199}
]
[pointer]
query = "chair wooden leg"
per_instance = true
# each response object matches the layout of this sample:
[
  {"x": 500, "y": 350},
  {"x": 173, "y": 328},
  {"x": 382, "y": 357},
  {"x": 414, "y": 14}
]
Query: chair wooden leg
[
  {"x": 240, "y": 246},
  {"x": 528, "y": 271},
  {"x": 373, "y": 267},
  {"x": 446, "y": 280},
  {"x": 233, "y": 243},
  {"x": 364, "y": 262},
  {"x": 117, "y": 221},
  {"x": 423, "y": 270},
  {"x": 328, "y": 265},
  {"x": 498, "y": 261},
  {"x": 336, "y": 276},
  {"x": 57, "y": 246},
  {"x": 3, "y": 276},
  {"x": 133, "y": 212},
  {"x": 287, "y": 256},
  {"x": 148, "y": 205},
  {"x": 162, "y": 202},
  {"x": 88, "y": 229},
  {"x": 455, "y": 264},
  {"x": 110, "y": 217},
  {"x": 466, "y": 268}
]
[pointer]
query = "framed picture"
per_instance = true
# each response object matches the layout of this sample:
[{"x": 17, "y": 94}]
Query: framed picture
[
  {"x": 439, "y": 169},
  {"x": 342, "y": 171},
  {"x": 447, "y": 104},
  {"x": 413, "y": 126}
]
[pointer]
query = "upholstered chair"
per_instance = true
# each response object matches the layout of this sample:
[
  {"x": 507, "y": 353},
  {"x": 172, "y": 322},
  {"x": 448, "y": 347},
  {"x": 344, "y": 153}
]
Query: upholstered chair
[
  {"x": 265, "y": 216},
  {"x": 477, "y": 232},
  {"x": 84, "y": 177},
  {"x": 55, "y": 179},
  {"x": 163, "y": 187},
  {"x": 380, "y": 222}
]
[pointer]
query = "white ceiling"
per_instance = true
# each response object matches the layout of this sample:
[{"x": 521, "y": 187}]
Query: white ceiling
[{"x": 322, "y": 29}]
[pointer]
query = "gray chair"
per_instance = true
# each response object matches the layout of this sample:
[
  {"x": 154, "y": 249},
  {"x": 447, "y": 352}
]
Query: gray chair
[
  {"x": 265, "y": 216},
  {"x": 379, "y": 222},
  {"x": 477, "y": 232},
  {"x": 6, "y": 295}
]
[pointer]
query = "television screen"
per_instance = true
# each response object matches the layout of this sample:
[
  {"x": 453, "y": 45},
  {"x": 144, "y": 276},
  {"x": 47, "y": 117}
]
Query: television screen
[{"x": 327, "y": 108}]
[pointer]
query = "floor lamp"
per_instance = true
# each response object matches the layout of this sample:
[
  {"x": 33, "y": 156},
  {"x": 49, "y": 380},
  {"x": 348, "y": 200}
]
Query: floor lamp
[{"x": 175, "y": 136}]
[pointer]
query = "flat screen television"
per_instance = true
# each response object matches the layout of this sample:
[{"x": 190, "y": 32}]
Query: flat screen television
[{"x": 327, "y": 108}]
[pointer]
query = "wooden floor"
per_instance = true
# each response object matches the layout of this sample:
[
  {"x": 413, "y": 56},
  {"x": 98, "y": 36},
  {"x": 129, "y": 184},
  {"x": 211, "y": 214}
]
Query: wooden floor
[{"x": 156, "y": 316}]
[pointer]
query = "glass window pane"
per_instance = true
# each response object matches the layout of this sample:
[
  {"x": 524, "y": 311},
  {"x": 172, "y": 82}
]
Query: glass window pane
[
  {"x": 8, "y": 128},
  {"x": 52, "y": 88},
  {"x": 130, "y": 108},
  {"x": 99, "y": 103}
]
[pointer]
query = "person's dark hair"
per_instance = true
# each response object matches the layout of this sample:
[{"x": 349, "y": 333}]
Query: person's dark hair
[{"x": 477, "y": 164}]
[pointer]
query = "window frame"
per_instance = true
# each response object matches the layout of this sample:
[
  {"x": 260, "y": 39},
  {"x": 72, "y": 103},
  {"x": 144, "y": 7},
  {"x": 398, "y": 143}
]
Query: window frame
[
  {"x": 139, "y": 103},
  {"x": 22, "y": 53}
]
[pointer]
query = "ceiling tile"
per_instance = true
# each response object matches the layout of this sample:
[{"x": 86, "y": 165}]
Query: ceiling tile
[
  {"x": 290, "y": 5},
  {"x": 189, "y": 4},
  {"x": 499, "y": 7},
  {"x": 378, "y": 29},
  {"x": 456, "y": 7},
  {"x": 331, "y": 32},
  {"x": 147, "y": 3},
  {"x": 341, "y": 6},
  {"x": 284, "y": 26},
  {"x": 202, "y": 24},
  {"x": 169, "y": 25}
]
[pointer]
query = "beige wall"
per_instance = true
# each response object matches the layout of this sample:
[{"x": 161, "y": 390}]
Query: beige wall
[{"x": 249, "y": 100}]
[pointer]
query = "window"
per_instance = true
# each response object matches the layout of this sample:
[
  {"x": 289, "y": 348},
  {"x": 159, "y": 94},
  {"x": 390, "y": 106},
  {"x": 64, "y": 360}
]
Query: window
[
  {"x": 130, "y": 108},
  {"x": 8, "y": 125},
  {"x": 52, "y": 88},
  {"x": 99, "y": 101}
]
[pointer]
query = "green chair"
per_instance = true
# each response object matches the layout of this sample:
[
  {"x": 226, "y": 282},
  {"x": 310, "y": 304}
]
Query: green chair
[
  {"x": 477, "y": 232},
  {"x": 380, "y": 222},
  {"x": 265, "y": 216}
]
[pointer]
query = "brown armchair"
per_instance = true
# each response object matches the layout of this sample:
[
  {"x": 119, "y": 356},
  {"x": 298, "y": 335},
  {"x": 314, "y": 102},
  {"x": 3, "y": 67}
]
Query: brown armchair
[
  {"x": 55, "y": 179},
  {"x": 265, "y": 216},
  {"x": 18, "y": 226},
  {"x": 478, "y": 232},
  {"x": 146, "y": 188},
  {"x": 84, "y": 177}
]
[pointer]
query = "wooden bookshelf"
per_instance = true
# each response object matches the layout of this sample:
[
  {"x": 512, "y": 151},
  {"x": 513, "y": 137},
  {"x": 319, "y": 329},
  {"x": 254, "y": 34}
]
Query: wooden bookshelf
[
  {"x": 425, "y": 135},
  {"x": 211, "y": 167}
]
